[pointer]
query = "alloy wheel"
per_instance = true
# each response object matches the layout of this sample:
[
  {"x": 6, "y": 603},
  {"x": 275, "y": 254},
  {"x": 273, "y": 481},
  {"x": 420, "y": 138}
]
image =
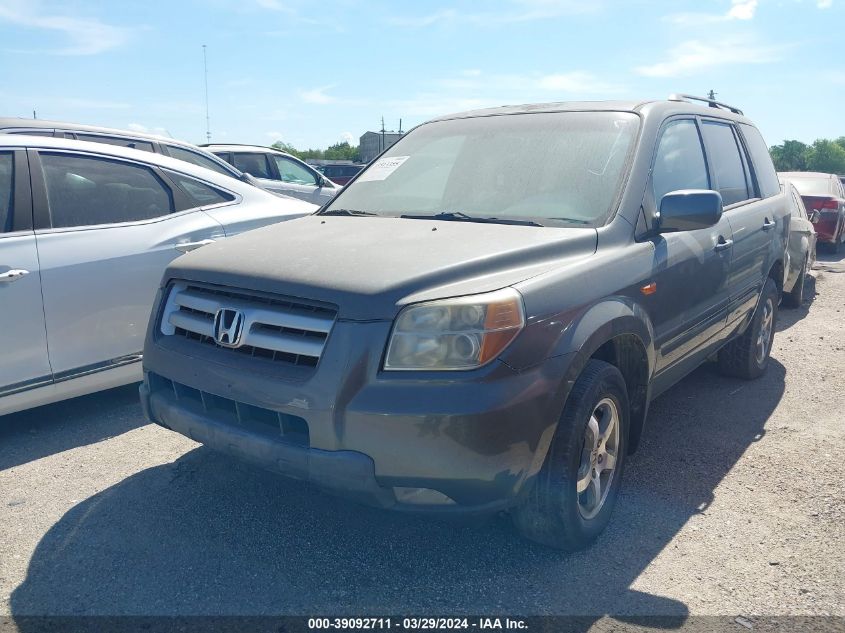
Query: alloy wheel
[{"x": 598, "y": 458}]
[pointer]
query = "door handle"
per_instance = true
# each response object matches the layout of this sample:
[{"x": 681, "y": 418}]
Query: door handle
[
  {"x": 723, "y": 244},
  {"x": 189, "y": 246},
  {"x": 12, "y": 275},
  {"x": 768, "y": 225}
]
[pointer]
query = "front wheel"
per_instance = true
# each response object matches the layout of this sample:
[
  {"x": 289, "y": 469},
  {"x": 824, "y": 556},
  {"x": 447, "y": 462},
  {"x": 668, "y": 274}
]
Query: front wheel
[
  {"x": 570, "y": 501},
  {"x": 748, "y": 356}
]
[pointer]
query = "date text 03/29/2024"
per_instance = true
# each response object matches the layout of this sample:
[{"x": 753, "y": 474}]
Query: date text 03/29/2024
[{"x": 416, "y": 624}]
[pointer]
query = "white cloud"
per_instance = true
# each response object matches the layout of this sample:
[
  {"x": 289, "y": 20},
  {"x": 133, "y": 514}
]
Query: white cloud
[
  {"x": 695, "y": 56},
  {"x": 739, "y": 10},
  {"x": 87, "y": 36},
  {"x": 824, "y": 4},
  {"x": 742, "y": 9},
  {"x": 317, "y": 96},
  {"x": 515, "y": 11},
  {"x": 348, "y": 137},
  {"x": 138, "y": 127}
]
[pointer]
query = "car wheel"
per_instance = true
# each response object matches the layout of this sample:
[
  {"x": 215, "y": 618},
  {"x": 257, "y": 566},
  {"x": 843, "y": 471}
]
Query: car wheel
[
  {"x": 748, "y": 356},
  {"x": 795, "y": 297},
  {"x": 570, "y": 501}
]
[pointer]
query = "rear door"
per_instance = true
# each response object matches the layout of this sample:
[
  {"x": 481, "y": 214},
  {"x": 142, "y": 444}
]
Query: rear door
[
  {"x": 106, "y": 228},
  {"x": 23, "y": 337},
  {"x": 753, "y": 219},
  {"x": 689, "y": 307}
]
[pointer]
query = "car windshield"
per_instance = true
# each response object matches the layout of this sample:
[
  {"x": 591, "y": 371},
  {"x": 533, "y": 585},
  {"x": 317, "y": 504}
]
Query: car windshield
[
  {"x": 553, "y": 168},
  {"x": 809, "y": 186}
]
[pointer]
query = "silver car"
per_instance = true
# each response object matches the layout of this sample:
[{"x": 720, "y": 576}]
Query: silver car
[
  {"x": 278, "y": 172},
  {"x": 86, "y": 230},
  {"x": 801, "y": 247}
]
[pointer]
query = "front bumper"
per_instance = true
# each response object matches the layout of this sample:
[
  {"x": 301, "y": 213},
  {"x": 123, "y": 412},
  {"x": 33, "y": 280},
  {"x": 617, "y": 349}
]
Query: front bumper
[{"x": 445, "y": 442}]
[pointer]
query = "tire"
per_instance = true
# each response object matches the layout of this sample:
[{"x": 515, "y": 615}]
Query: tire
[
  {"x": 748, "y": 356},
  {"x": 795, "y": 297},
  {"x": 552, "y": 511}
]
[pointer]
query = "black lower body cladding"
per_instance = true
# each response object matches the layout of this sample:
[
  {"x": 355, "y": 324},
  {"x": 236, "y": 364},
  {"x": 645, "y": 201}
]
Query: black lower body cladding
[{"x": 446, "y": 442}]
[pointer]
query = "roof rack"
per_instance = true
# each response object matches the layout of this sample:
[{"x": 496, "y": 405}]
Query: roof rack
[{"x": 711, "y": 102}]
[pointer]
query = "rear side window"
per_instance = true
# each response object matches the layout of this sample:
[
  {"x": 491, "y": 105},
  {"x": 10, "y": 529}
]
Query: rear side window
[
  {"x": 726, "y": 162},
  {"x": 30, "y": 132},
  {"x": 764, "y": 169},
  {"x": 679, "y": 162},
  {"x": 254, "y": 164},
  {"x": 116, "y": 140},
  {"x": 195, "y": 158},
  {"x": 85, "y": 191},
  {"x": 798, "y": 204},
  {"x": 7, "y": 173},
  {"x": 200, "y": 193}
]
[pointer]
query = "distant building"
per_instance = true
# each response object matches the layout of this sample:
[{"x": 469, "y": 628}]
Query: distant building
[{"x": 374, "y": 143}]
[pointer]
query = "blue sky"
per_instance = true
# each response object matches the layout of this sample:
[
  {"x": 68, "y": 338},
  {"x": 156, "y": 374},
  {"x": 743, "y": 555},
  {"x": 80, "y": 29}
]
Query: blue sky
[{"x": 313, "y": 73}]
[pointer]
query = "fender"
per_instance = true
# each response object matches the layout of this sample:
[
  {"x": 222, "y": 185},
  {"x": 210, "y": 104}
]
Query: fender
[{"x": 605, "y": 330}]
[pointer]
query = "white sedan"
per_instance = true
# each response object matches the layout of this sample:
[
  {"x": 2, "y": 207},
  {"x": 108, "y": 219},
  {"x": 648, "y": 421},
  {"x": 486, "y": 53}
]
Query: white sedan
[{"x": 86, "y": 231}]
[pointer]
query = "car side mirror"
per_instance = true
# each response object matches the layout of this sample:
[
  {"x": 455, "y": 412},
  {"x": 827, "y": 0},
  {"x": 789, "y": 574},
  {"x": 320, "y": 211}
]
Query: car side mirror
[
  {"x": 689, "y": 209},
  {"x": 325, "y": 182},
  {"x": 249, "y": 179}
]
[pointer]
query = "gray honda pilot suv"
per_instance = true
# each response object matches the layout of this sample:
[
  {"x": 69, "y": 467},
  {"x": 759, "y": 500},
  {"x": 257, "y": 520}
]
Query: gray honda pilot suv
[{"x": 479, "y": 321}]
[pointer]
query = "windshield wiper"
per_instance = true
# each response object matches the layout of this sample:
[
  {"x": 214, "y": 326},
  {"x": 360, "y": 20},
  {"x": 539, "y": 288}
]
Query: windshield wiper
[
  {"x": 353, "y": 212},
  {"x": 460, "y": 216}
]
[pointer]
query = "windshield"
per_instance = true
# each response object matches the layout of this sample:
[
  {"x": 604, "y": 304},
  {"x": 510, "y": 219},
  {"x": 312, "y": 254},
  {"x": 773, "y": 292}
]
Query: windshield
[
  {"x": 814, "y": 186},
  {"x": 563, "y": 167}
]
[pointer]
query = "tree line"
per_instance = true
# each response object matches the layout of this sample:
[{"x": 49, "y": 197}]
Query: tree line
[
  {"x": 338, "y": 151},
  {"x": 823, "y": 155}
]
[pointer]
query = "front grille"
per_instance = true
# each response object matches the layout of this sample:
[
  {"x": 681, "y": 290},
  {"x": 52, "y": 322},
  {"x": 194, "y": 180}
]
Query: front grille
[
  {"x": 274, "y": 328},
  {"x": 289, "y": 429}
]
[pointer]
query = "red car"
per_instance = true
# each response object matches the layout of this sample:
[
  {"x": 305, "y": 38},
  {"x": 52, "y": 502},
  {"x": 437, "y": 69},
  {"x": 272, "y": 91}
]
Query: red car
[
  {"x": 341, "y": 174},
  {"x": 824, "y": 197}
]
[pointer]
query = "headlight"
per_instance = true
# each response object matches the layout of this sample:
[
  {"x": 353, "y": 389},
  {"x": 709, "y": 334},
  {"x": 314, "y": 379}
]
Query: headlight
[{"x": 460, "y": 333}]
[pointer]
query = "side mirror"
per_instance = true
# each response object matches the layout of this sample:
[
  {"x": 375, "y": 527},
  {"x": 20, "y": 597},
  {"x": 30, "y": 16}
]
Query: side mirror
[
  {"x": 249, "y": 179},
  {"x": 689, "y": 209},
  {"x": 325, "y": 182}
]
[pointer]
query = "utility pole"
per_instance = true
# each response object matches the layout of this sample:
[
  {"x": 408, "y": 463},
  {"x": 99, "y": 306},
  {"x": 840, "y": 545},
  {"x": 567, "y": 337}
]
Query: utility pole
[
  {"x": 381, "y": 147},
  {"x": 400, "y": 126},
  {"x": 33, "y": 114},
  {"x": 207, "y": 117}
]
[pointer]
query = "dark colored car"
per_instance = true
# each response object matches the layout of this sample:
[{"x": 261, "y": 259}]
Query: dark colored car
[
  {"x": 341, "y": 174},
  {"x": 824, "y": 197},
  {"x": 480, "y": 320}
]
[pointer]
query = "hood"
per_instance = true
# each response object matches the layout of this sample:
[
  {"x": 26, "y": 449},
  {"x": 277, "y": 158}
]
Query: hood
[{"x": 371, "y": 266}]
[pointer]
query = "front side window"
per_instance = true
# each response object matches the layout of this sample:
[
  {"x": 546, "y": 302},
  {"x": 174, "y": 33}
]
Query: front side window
[
  {"x": 679, "y": 161},
  {"x": 550, "y": 168},
  {"x": 253, "y": 164},
  {"x": 116, "y": 140},
  {"x": 85, "y": 190},
  {"x": 198, "y": 159},
  {"x": 292, "y": 172},
  {"x": 7, "y": 175},
  {"x": 726, "y": 162}
]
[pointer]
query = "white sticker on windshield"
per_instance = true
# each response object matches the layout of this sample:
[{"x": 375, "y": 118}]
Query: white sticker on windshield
[{"x": 382, "y": 168}]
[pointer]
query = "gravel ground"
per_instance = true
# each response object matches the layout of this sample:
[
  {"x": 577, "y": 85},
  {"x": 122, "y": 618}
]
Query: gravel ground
[{"x": 733, "y": 505}]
